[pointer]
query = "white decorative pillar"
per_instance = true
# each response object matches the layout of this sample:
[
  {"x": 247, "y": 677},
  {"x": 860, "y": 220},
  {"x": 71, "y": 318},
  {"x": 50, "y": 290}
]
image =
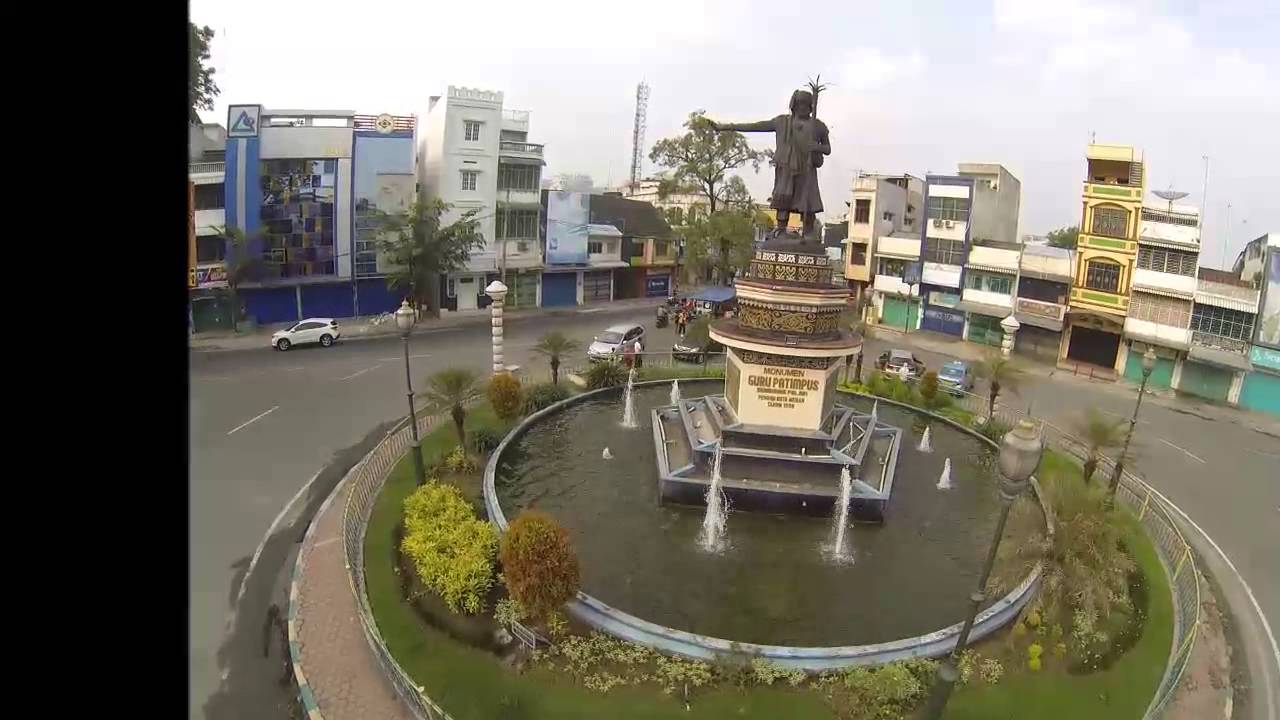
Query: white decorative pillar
[
  {"x": 1010, "y": 326},
  {"x": 1237, "y": 383},
  {"x": 498, "y": 293}
]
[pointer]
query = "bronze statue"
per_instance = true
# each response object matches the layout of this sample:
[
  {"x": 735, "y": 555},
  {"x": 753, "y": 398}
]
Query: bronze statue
[{"x": 802, "y": 140}]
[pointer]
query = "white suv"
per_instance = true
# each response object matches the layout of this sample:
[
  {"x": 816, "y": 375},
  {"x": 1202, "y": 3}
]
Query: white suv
[{"x": 311, "y": 330}]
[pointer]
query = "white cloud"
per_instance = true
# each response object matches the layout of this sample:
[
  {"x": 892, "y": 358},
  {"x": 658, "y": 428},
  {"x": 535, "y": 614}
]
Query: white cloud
[{"x": 869, "y": 68}]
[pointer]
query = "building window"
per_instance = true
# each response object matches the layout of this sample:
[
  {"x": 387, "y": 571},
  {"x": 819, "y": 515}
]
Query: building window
[
  {"x": 1167, "y": 261},
  {"x": 908, "y": 222},
  {"x": 469, "y": 179},
  {"x": 1226, "y": 323},
  {"x": 516, "y": 224},
  {"x": 892, "y": 267},
  {"x": 452, "y": 289},
  {"x": 210, "y": 197},
  {"x": 947, "y": 252},
  {"x": 1042, "y": 290},
  {"x": 947, "y": 208},
  {"x": 518, "y": 177},
  {"x": 1110, "y": 222},
  {"x": 989, "y": 282},
  {"x": 211, "y": 248},
  {"x": 661, "y": 248},
  {"x": 857, "y": 254},
  {"x": 297, "y": 214},
  {"x": 862, "y": 210},
  {"x": 887, "y": 216},
  {"x": 471, "y": 130},
  {"x": 595, "y": 247},
  {"x": 1103, "y": 275},
  {"x": 1160, "y": 309}
]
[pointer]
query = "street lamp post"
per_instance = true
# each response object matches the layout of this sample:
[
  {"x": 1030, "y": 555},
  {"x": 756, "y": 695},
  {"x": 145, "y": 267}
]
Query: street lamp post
[
  {"x": 497, "y": 292},
  {"x": 1148, "y": 364},
  {"x": 1020, "y": 452},
  {"x": 404, "y": 321}
]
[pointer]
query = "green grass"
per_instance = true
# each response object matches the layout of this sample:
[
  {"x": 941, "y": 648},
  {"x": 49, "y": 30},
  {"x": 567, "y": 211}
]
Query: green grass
[
  {"x": 472, "y": 685},
  {"x": 1121, "y": 691}
]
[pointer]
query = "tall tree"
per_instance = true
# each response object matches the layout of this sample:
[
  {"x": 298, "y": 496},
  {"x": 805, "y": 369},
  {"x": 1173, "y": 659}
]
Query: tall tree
[
  {"x": 201, "y": 89},
  {"x": 701, "y": 159},
  {"x": 722, "y": 242},
  {"x": 1064, "y": 237},
  {"x": 420, "y": 249},
  {"x": 241, "y": 264}
]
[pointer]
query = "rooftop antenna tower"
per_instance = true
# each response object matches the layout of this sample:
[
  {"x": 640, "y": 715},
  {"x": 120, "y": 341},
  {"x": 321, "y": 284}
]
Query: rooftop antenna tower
[{"x": 637, "y": 132}]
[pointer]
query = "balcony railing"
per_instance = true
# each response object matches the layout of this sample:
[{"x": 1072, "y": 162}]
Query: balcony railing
[
  {"x": 1219, "y": 342},
  {"x": 520, "y": 147},
  {"x": 206, "y": 167}
]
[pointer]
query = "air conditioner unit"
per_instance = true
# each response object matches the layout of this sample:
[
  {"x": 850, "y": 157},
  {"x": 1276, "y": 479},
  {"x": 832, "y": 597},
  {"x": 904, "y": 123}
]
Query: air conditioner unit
[
  {"x": 950, "y": 224},
  {"x": 995, "y": 186},
  {"x": 937, "y": 222}
]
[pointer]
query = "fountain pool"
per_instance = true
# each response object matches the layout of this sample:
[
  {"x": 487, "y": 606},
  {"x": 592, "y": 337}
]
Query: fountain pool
[{"x": 772, "y": 583}]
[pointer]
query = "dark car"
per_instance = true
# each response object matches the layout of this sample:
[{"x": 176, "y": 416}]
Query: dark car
[{"x": 896, "y": 362}]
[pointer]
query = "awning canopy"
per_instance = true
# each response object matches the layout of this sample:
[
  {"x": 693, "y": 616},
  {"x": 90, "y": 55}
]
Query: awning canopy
[
  {"x": 978, "y": 308},
  {"x": 1221, "y": 358},
  {"x": 715, "y": 294},
  {"x": 1226, "y": 302},
  {"x": 1161, "y": 291},
  {"x": 1038, "y": 321},
  {"x": 1156, "y": 340}
]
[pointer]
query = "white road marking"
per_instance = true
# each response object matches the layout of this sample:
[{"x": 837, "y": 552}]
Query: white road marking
[
  {"x": 411, "y": 357},
  {"x": 270, "y": 531},
  {"x": 1266, "y": 626},
  {"x": 358, "y": 373},
  {"x": 1189, "y": 454},
  {"x": 591, "y": 310},
  {"x": 246, "y": 423}
]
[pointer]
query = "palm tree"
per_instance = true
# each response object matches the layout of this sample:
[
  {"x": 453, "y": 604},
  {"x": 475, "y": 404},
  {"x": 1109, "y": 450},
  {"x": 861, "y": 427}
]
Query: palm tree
[
  {"x": 453, "y": 389},
  {"x": 241, "y": 266},
  {"x": 1098, "y": 433},
  {"x": 554, "y": 345},
  {"x": 1000, "y": 372},
  {"x": 419, "y": 247}
]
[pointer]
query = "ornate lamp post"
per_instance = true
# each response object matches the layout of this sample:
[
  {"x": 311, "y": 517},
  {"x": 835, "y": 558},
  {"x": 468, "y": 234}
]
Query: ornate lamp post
[
  {"x": 1020, "y": 452},
  {"x": 1010, "y": 325},
  {"x": 404, "y": 321},
  {"x": 1148, "y": 364},
  {"x": 498, "y": 293}
]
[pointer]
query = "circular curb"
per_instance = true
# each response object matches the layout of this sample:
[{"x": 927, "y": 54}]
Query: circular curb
[{"x": 621, "y": 624}]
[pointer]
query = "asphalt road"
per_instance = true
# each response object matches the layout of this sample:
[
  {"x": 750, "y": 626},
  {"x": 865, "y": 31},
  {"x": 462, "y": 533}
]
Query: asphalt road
[{"x": 266, "y": 424}]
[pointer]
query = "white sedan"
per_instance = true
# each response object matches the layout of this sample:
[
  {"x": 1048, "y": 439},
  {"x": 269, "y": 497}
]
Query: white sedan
[{"x": 311, "y": 330}]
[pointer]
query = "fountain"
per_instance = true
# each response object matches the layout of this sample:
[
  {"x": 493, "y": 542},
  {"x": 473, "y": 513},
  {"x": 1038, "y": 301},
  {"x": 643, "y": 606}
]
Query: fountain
[
  {"x": 841, "y": 518},
  {"x": 713, "y": 523},
  {"x": 944, "y": 482},
  {"x": 628, "y": 405},
  {"x": 675, "y": 392},
  {"x": 606, "y": 454},
  {"x": 926, "y": 445}
]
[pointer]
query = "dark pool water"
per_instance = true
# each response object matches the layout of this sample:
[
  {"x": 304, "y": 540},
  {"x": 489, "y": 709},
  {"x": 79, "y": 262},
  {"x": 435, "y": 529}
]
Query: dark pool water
[{"x": 774, "y": 585}]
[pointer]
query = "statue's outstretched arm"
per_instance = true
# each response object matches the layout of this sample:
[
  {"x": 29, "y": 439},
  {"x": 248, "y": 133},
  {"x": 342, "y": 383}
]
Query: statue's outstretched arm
[{"x": 762, "y": 126}]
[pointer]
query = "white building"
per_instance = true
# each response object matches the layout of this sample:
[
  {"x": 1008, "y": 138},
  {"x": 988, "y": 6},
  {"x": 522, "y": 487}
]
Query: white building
[
  {"x": 997, "y": 198},
  {"x": 475, "y": 155},
  {"x": 881, "y": 206}
]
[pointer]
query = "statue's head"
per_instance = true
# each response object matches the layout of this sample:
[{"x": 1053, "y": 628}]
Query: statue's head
[{"x": 802, "y": 103}]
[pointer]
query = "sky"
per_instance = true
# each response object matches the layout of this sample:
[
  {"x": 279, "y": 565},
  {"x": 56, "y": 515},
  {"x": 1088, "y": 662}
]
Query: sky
[{"x": 914, "y": 86}]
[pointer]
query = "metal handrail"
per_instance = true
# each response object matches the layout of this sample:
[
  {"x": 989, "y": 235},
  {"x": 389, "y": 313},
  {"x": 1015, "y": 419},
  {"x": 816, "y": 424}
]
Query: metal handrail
[{"x": 1171, "y": 545}]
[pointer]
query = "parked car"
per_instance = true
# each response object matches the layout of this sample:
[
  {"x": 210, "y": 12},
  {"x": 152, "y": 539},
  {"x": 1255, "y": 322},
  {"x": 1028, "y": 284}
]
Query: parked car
[
  {"x": 689, "y": 350},
  {"x": 956, "y": 377},
  {"x": 312, "y": 330},
  {"x": 894, "y": 362},
  {"x": 614, "y": 341}
]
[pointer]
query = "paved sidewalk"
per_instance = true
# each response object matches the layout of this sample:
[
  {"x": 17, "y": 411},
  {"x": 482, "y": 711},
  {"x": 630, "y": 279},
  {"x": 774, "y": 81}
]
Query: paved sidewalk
[
  {"x": 338, "y": 675},
  {"x": 364, "y": 328}
]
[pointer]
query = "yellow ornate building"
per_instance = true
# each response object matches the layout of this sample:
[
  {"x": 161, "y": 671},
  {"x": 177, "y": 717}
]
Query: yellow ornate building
[{"x": 1106, "y": 252}]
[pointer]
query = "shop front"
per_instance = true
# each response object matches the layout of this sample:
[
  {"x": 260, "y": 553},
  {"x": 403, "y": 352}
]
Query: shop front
[{"x": 1261, "y": 388}]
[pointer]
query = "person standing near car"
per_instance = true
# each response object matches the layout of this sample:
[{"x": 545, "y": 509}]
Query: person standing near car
[{"x": 639, "y": 353}]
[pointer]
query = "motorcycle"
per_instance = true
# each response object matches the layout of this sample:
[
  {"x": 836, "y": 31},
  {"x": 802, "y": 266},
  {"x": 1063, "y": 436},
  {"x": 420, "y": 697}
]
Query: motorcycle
[{"x": 664, "y": 317}]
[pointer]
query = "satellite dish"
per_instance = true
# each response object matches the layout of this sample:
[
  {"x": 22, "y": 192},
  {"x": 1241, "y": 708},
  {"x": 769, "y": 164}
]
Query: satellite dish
[{"x": 1170, "y": 195}]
